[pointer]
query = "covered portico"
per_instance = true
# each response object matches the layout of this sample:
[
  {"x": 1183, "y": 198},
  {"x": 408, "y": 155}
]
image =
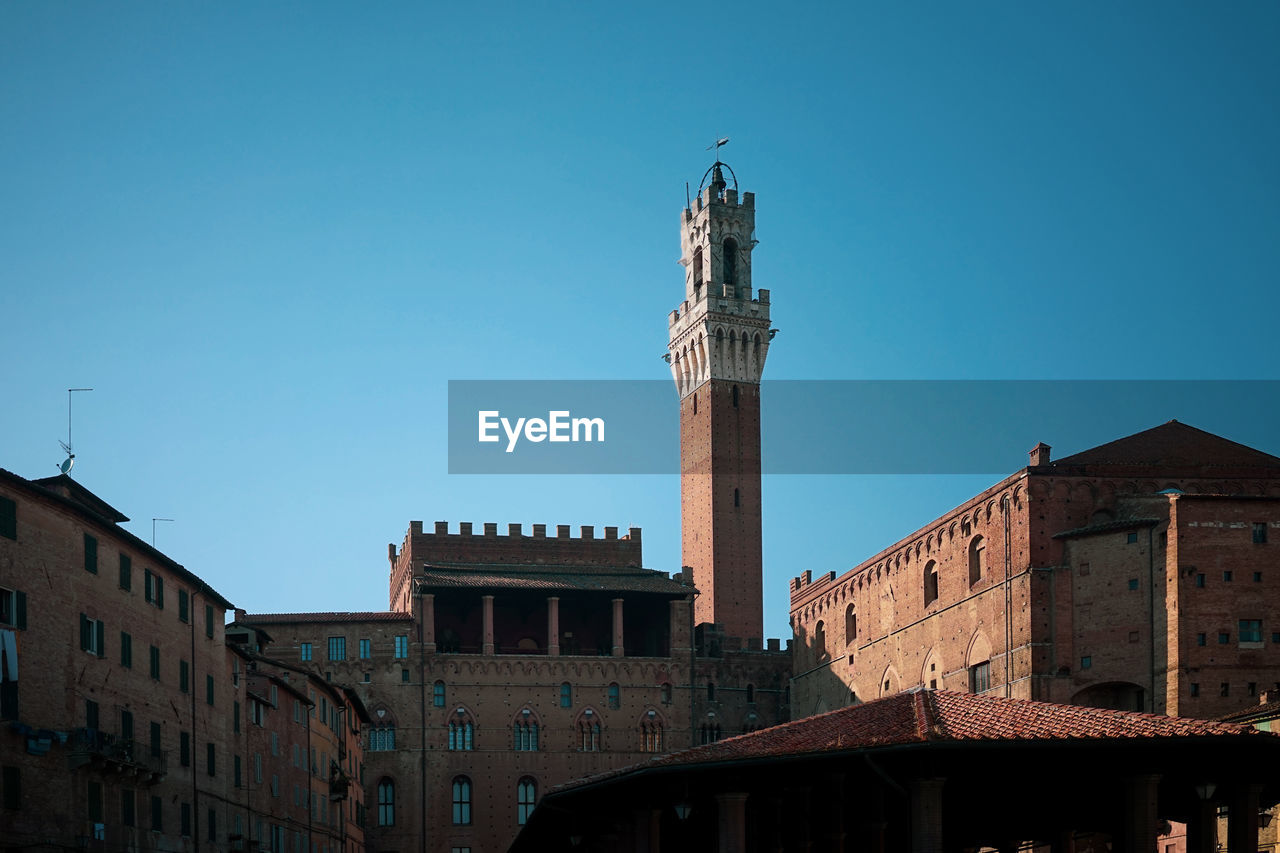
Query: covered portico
[{"x": 926, "y": 772}]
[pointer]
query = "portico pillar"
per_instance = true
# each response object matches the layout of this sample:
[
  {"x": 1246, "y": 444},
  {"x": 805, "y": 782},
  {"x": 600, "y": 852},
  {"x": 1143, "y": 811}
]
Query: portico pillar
[
  {"x": 926, "y": 815},
  {"x": 617, "y": 628},
  {"x": 1202, "y": 829},
  {"x": 487, "y": 648},
  {"x": 648, "y": 824},
  {"x": 553, "y": 625},
  {"x": 1242, "y": 819},
  {"x": 835, "y": 834},
  {"x": 429, "y": 623},
  {"x": 731, "y": 811},
  {"x": 1140, "y": 813},
  {"x": 1065, "y": 842}
]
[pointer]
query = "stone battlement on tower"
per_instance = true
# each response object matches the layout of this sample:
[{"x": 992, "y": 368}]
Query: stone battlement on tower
[{"x": 514, "y": 547}]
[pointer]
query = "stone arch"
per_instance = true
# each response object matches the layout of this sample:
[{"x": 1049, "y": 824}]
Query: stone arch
[
  {"x": 929, "y": 581},
  {"x": 931, "y": 670},
  {"x": 890, "y": 683},
  {"x": 979, "y": 649}
]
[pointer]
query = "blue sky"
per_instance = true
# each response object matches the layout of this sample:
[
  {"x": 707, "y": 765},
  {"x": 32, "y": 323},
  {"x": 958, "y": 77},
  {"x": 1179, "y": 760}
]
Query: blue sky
[{"x": 267, "y": 234}]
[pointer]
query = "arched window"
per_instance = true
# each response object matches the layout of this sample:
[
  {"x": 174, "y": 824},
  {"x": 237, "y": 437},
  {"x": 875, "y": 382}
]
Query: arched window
[
  {"x": 737, "y": 498},
  {"x": 666, "y": 692},
  {"x": 977, "y": 558},
  {"x": 820, "y": 641},
  {"x": 524, "y": 732},
  {"x": 461, "y": 731},
  {"x": 735, "y": 393},
  {"x": 566, "y": 695},
  {"x": 382, "y": 737},
  {"x": 651, "y": 731},
  {"x": 526, "y": 796},
  {"x": 697, "y": 270},
  {"x": 386, "y": 803},
  {"x": 711, "y": 691},
  {"x": 615, "y": 696},
  {"x": 730, "y": 261},
  {"x": 695, "y": 403},
  {"x": 850, "y": 624},
  {"x": 461, "y": 801},
  {"x": 709, "y": 732},
  {"x": 437, "y": 694},
  {"x": 589, "y": 732},
  {"x": 930, "y": 583}
]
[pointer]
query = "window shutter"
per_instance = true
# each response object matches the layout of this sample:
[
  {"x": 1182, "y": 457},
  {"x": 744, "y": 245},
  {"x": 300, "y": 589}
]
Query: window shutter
[
  {"x": 102, "y": 639},
  {"x": 20, "y": 609},
  {"x": 160, "y": 592},
  {"x": 84, "y": 633}
]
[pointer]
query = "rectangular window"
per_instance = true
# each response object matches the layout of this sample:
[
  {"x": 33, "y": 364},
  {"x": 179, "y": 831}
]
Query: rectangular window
[
  {"x": 305, "y": 651},
  {"x": 126, "y": 650},
  {"x": 90, "y": 554},
  {"x": 94, "y": 799},
  {"x": 1200, "y": 580},
  {"x": 186, "y": 819},
  {"x": 257, "y": 768},
  {"x": 404, "y": 676},
  {"x": 1224, "y": 637},
  {"x": 402, "y": 646},
  {"x": 184, "y": 749},
  {"x": 11, "y": 780},
  {"x": 13, "y": 608},
  {"x": 126, "y": 725},
  {"x": 90, "y": 714},
  {"x": 211, "y": 825},
  {"x": 153, "y": 588},
  {"x": 184, "y": 676},
  {"x": 1195, "y": 689},
  {"x": 980, "y": 677},
  {"x": 8, "y": 518},
  {"x": 126, "y": 572},
  {"x": 1250, "y": 632},
  {"x": 235, "y": 770},
  {"x": 128, "y": 805},
  {"x": 208, "y": 621},
  {"x": 155, "y": 741},
  {"x": 157, "y": 814},
  {"x": 155, "y": 663},
  {"x": 1259, "y": 533},
  {"x": 1133, "y": 583},
  {"x": 92, "y": 636},
  {"x": 235, "y": 716},
  {"x": 209, "y": 759},
  {"x": 366, "y": 649},
  {"x": 208, "y": 689},
  {"x": 1224, "y": 689},
  {"x": 337, "y": 648},
  {"x": 1086, "y": 662},
  {"x": 1201, "y": 639},
  {"x": 1132, "y": 538},
  {"x": 184, "y": 605},
  {"x": 1257, "y": 577},
  {"x": 1226, "y": 575},
  {"x": 275, "y": 743}
]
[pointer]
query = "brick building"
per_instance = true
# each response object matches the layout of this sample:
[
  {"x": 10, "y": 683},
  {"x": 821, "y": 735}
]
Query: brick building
[
  {"x": 116, "y": 688},
  {"x": 1141, "y": 574},
  {"x": 510, "y": 663}
]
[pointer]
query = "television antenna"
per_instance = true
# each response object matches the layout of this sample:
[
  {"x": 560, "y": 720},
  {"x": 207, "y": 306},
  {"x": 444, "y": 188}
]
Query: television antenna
[
  {"x": 66, "y": 464},
  {"x": 153, "y": 529}
]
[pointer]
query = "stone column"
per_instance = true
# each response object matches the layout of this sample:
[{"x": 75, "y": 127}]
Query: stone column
[
  {"x": 926, "y": 815},
  {"x": 835, "y": 832},
  {"x": 553, "y": 625},
  {"x": 488, "y": 625},
  {"x": 731, "y": 810},
  {"x": 617, "y": 628},
  {"x": 1140, "y": 796},
  {"x": 1242, "y": 818},
  {"x": 648, "y": 823},
  {"x": 429, "y": 623},
  {"x": 1202, "y": 829}
]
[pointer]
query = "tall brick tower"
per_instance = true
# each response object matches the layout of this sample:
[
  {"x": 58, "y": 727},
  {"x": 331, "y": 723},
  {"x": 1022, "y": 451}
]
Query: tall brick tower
[{"x": 719, "y": 340}]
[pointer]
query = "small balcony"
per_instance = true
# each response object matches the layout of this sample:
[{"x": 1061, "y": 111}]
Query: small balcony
[{"x": 107, "y": 753}]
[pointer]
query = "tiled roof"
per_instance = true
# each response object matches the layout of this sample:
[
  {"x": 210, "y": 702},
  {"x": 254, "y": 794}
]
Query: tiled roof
[
  {"x": 937, "y": 716},
  {"x": 563, "y": 578},
  {"x": 1172, "y": 444},
  {"x": 331, "y": 616}
]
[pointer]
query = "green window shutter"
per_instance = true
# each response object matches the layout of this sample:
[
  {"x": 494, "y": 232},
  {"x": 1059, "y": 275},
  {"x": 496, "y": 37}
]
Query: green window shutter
[
  {"x": 90, "y": 554},
  {"x": 102, "y": 639},
  {"x": 20, "y": 609},
  {"x": 8, "y": 519},
  {"x": 85, "y": 635},
  {"x": 160, "y": 592}
]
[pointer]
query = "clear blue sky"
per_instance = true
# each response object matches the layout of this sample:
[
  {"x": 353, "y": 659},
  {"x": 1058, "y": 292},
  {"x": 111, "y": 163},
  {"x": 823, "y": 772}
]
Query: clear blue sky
[{"x": 267, "y": 234}]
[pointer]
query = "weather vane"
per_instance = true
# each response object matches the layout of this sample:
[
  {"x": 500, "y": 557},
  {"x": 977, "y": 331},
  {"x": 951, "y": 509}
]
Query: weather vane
[{"x": 717, "y": 145}]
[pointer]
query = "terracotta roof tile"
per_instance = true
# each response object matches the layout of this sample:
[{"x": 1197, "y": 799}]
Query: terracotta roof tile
[
  {"x": 544, "y": 577},
  {"x": 1169, "y": 445},
  {"x": 937, "y": 716},
  {"x": 279, "y": 618}
]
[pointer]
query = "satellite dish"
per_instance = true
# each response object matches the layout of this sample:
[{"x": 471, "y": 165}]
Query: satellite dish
[{"x": 66, "y": 465}]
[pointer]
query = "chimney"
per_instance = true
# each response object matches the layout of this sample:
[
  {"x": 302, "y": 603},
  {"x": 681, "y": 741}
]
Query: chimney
[{"x": 1040, "y": 454}]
